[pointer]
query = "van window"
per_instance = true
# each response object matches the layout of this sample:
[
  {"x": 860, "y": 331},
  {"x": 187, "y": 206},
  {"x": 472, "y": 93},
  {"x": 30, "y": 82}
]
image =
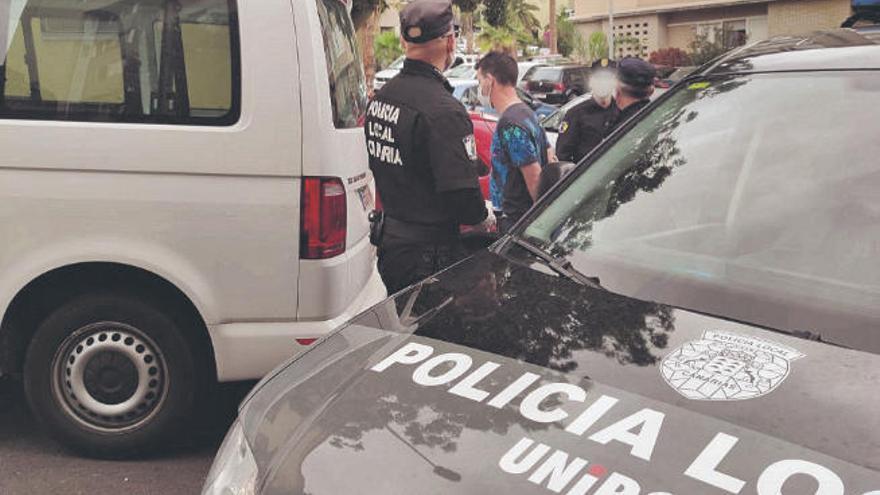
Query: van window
[
  {"x": 140, "y": 61},
  {"x": 348, "y": 87}
]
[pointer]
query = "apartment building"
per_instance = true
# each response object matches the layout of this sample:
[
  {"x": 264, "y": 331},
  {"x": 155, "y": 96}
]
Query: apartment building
[{"x": 644, "y": 26}]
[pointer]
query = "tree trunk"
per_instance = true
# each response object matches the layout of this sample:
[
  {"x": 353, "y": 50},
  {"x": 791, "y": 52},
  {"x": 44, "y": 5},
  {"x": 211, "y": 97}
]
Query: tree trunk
[
  {"x": 366, "y": 36},
  {"x": 467, "y": 28},
  {"x": 553, "y": 31}
]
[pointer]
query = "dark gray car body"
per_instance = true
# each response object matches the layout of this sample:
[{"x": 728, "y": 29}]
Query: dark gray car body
[
  {"x": 330, "y": 424},
  {"x": 343, "y": 418}
]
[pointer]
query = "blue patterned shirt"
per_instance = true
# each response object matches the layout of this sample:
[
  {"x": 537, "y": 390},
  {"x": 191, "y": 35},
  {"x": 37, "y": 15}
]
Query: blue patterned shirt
[{"x": 519, "y": 140}]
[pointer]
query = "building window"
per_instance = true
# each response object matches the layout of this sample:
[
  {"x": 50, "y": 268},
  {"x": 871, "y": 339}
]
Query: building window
[
  {"x": 631, "y": 40},
  {"x": 730, "y": 33},
  {"x": 735, "y": 33}
]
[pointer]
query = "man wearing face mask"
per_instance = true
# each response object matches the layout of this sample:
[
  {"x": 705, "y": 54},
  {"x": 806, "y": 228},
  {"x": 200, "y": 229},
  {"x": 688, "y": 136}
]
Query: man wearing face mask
[
  {"x": 422, "y": 153},
  {"x": 587, "y": 124},
  {"x": 519, "y": 147}
]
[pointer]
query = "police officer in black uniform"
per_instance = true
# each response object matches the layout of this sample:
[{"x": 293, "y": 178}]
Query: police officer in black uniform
[
  {"x": 587, "y": 124},
  {"x": 635, "y": 87},
  {"x": 422, "y": 152}
]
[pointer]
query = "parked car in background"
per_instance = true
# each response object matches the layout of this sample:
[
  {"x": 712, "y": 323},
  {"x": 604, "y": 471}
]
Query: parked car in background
[
  {"x": 693, "y": 311},
  {"x": 484, "y": 127},
  {"x": 385, "y": 75},
  {"x": 465, "y": 71},
  {"x": 462, "y": 65},
  {"x": 523, "y": 69},
  {"x": 557, "y": 84},
  {"x": 466, "y": 92}
]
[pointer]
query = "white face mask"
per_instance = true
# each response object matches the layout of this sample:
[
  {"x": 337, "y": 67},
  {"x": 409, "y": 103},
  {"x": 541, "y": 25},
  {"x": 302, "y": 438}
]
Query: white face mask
[
  {"x": 602, "y": 85},
  {"x": 485, "y": 99}
]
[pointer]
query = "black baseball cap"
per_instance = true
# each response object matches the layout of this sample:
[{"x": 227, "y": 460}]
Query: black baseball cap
[
  {"x": 636, "y": 72},
  {"x": 424, "y": 20},
  {"x": 604, "y": 63}
]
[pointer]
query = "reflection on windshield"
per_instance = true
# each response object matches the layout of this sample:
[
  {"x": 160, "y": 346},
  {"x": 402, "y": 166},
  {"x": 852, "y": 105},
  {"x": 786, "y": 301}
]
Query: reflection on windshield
[
  {"x": 496, "y": 311},
  {"x": 730, "y": 195}
]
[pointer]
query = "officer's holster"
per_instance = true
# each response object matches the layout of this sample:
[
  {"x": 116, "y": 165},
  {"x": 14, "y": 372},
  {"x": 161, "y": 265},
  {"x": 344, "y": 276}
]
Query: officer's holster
[{"x": 377, "y": 227}]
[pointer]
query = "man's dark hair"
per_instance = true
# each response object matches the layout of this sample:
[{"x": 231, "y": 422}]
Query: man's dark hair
[{"x": 501, "y": 66}]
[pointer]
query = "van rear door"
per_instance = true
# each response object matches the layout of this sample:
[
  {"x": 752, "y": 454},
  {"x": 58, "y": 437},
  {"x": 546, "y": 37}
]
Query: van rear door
[{"x": 334, "y": 96}]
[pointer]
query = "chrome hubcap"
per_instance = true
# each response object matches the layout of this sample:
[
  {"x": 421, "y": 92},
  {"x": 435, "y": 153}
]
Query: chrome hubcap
[{"x": 110, "y": 376}]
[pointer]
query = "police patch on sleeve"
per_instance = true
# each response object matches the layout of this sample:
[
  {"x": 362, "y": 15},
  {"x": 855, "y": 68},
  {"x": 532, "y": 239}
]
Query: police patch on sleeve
[
  {"x": 724, "y": 366},
  {"x": 470, "y": 146},
  {"x": 563, "y": 127}
]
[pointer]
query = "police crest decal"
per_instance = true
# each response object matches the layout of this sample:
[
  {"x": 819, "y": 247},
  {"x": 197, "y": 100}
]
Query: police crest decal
[
  {"x": 724, "y": 366},
  {"x": 563, "y": 127}
]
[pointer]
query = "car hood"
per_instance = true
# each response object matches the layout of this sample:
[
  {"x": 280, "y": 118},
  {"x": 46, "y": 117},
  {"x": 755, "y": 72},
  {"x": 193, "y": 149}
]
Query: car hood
[{"x": 498, "y": 375}]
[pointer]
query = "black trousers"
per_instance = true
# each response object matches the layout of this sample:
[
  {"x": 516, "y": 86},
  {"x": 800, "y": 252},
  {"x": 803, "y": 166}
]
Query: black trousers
[{"x": 403, "y": 264}]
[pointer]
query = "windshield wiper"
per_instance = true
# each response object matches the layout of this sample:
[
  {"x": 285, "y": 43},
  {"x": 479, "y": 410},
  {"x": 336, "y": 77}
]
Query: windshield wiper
[{"x": 559, "y": 265}]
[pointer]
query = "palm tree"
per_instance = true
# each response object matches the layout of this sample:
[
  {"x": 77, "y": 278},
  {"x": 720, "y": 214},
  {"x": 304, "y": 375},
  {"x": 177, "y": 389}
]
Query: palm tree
[
  {"x": 495, "y": 13},
  {"x": 552, "y": 27},
  {"x": 523, "y": 13},
  {"x": 493, "y": 38},
  {"x": 365, "y": 15},
  {"x": 467, "y": 8}
]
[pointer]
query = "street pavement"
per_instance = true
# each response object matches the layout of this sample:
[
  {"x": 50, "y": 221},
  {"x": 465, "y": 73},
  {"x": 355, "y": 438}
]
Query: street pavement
[{"x": 33, "y": 464}]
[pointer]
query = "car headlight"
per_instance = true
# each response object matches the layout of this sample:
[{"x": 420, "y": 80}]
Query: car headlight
[{"x": 234, "y": 471}]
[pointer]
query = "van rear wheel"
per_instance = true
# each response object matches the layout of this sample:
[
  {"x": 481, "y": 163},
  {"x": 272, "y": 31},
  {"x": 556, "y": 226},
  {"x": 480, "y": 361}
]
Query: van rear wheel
[{"x": 110, "y": 375}]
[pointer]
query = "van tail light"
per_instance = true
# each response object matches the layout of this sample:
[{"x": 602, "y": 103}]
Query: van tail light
[
  {"x": 559, "y": 87},
  {"x": 323, "y": 218}
]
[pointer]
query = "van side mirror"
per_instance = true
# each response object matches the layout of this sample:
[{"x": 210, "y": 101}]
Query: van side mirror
[{"x": 551, "y": 174}]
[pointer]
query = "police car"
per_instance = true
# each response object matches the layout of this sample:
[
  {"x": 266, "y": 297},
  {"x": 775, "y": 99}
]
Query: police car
[{"x": 692, "y": 311}]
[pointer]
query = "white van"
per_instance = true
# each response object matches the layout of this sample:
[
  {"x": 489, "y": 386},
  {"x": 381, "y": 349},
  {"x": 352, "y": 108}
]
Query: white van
[{"x": 184, "y": 195}]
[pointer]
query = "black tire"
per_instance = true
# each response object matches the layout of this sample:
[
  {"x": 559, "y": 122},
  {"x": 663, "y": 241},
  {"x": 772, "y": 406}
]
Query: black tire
[{"x": 92, "y": 337}]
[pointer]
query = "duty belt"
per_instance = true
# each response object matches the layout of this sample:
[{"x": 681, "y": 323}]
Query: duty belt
[{"x": 421, "y": 233}]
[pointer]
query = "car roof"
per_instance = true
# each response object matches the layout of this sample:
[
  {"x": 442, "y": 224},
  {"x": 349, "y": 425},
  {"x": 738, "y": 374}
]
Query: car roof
[{"x": 838, "y": 49}]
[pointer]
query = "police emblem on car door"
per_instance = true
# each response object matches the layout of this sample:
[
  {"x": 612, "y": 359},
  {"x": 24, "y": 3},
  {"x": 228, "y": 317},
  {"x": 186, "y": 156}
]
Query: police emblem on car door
[{"x": 727, "y": 366}]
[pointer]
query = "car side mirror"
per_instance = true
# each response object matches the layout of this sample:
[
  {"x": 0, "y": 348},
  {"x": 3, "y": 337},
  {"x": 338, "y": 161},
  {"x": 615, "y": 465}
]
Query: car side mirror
[{"x": 551, "y": 174}]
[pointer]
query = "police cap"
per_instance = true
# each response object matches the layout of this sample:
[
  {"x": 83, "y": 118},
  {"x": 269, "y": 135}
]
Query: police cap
[
  {"x": 424, "y": 20},
  {"x": 604, "y": 63},
  {"x": 636, "y": 72}
]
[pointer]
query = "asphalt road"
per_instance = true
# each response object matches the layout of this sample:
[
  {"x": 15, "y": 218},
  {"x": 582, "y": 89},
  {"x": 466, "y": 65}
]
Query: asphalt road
[{"x": 33, "y": 464}]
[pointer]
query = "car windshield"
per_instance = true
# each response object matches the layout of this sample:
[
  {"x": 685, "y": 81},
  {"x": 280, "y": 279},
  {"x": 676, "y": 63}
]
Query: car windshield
[
  {"x": 752, "y": 197},
  {"x": 463, "y": 71},
  {"x": 552, "y": 74}
]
